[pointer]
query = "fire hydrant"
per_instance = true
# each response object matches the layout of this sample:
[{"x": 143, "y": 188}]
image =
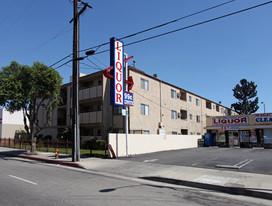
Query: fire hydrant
[{"x": 57, "y": 154}]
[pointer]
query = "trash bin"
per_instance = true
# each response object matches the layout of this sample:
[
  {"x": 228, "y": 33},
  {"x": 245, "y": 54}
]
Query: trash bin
[{"x": 208, "y": 139}]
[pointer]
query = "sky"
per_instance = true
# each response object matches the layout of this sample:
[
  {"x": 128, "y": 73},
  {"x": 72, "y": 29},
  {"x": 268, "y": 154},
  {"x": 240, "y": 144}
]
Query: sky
[{"x": 208, "y": 60}]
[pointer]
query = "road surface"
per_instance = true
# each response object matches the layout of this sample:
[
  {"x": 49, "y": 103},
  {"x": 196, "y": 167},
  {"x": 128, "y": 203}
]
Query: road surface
[{"x": 25, "y": 182}]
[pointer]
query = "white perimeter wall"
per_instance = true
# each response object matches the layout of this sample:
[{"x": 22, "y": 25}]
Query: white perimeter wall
[
  {"x": 141, "y": 143},
  {"x": 10, "y": 122},
  {"x": 12, "y": 118}
]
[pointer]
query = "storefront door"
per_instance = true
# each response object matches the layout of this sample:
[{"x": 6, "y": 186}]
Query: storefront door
[{"x": 233, "y": 138}]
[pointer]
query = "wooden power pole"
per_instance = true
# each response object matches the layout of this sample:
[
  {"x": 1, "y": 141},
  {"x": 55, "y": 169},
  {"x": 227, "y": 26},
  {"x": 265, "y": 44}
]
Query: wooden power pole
[{"x": 75, "y": 104}]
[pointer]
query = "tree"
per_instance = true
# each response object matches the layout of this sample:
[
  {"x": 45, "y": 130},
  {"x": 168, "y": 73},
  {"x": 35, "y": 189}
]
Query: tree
[
  {"x": 245, "y": 93},
  {"x": 30, "y": 89}
]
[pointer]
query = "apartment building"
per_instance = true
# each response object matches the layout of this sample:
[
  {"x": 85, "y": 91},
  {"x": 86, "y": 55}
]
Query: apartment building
[{"x": 159, "y": 108}]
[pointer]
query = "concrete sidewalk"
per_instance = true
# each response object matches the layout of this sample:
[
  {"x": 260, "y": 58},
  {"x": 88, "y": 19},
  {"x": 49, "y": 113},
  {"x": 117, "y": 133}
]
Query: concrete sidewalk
[{"x": 248, "y": 184}]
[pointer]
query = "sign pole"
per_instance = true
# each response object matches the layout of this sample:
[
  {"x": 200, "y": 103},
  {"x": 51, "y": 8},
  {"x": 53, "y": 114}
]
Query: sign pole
[{"x": 126, "y": 107}]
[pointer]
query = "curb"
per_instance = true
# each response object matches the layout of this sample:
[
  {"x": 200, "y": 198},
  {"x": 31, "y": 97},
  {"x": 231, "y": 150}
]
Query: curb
[
  {"x": 70, "y": 164},
  {"x": 252, "y": 192}
]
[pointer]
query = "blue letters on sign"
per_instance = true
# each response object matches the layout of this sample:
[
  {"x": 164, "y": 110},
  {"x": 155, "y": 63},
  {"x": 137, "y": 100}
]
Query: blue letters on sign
[{"x": 264, "y": 119}]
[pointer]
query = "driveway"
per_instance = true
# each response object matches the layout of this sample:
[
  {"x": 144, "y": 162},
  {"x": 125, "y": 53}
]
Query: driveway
[{"x": 234, "y": 159}]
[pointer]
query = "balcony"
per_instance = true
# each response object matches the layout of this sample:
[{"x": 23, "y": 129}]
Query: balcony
[
  {"x": 90, "y": 92},
  {"x": 91, "y": 117}
]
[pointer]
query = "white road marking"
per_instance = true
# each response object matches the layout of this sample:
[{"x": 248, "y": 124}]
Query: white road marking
[
  {"x": 236, "y": 166},
  {"x": 243, "y": 163},
  {"x": 194, "y": 164},
  {"x": 23, "y": 180},
  {"x": 146, "y": 161}
]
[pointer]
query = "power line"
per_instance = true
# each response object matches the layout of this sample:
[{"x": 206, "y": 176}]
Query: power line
[
  {"x": 164, "y": 24},
  {"x": 193, "y": 25},
  {"x": 57, "y": 35},
  {"x": 90, "y": 67},
  {"x": 19, "y": 18},
  {"x": 155, "y": 27},
  {"x": 93, "y": 63},
  {"x": 61, "y": 60},
  {"x": 63, "y": 63},
  {"x": 183, "y": 28}
]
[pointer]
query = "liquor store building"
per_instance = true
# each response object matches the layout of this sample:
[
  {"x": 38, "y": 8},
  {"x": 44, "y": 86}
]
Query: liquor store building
[{"x": 254, "y": 130}]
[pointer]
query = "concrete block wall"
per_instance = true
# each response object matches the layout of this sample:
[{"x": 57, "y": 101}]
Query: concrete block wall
[{"x": 141, "y": 144}]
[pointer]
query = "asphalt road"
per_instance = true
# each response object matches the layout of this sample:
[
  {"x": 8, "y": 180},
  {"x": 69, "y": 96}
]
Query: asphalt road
[
  {"x": 234, "y": 159},
  {"x": 32, "y": 183}
]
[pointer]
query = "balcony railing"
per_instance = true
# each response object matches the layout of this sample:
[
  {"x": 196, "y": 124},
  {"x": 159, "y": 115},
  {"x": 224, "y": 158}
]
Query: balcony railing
[
  {"x": 91, "y": 117},
  {"x": 91, "y": 92}
]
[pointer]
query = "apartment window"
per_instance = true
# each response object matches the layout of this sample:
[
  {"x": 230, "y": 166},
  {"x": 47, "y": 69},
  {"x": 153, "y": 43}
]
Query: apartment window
[
  {"x": 190, "y": 98},
  {"x": 117, "y": 109},
  {"x": 197, "y": 102},
  {"x": 99, "y": 107},
  {"x": 173, "y": 94},
  {"x": 174, "y": 133},
  {"x": 183, "y": 114},
  {"x": 197, "y": 118},
  {"x": 208, "y": 105},
  {"x": 99, "y": 82},
  {"x": 217, "y": 108},
  {"x": 144, "y": 84},
  {"x": 191, "y": 116},
  {"x": 222, "y": 111},
  {"x": 173, "y": 114},
  {"x": 144, "y": 109},
  {"x": 184, "y": 131}
]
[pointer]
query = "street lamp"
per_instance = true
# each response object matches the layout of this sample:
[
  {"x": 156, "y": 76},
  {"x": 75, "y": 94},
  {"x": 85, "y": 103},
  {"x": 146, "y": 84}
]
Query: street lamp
[{"x": 263, "y": 105}]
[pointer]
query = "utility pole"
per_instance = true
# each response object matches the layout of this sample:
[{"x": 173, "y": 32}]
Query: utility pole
[{"x": 75, "y": 104}]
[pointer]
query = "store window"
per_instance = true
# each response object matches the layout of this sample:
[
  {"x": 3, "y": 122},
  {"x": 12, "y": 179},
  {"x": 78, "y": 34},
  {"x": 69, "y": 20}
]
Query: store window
[
  {"x": 267, "y": 136},
  {"x": 221, "y": 136},
  {"x": 244, "y": 136}
]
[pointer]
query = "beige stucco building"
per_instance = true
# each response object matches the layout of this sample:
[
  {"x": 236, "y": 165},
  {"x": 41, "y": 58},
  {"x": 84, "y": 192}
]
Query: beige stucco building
[{"x": 159, "y": 108}]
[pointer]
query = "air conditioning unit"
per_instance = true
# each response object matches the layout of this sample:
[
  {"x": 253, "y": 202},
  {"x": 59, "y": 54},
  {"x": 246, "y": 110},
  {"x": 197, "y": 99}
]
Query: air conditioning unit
[
  {"x": 178, "y": 95},
  {"x": 179, "y": 115}
]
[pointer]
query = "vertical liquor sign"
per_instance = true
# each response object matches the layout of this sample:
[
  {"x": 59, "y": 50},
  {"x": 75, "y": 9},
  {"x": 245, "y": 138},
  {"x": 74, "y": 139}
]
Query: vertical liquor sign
[{"x": 117, "y": 62}]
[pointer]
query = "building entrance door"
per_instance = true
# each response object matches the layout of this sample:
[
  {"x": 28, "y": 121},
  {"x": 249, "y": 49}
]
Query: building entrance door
[{"x": 233, "y": 138}]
